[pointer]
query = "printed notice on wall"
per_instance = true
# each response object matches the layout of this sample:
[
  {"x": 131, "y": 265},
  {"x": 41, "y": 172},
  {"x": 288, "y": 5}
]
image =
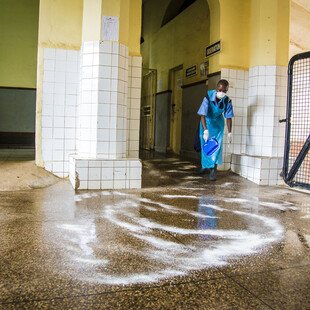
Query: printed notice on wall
[{"x": 110, "y": 28}]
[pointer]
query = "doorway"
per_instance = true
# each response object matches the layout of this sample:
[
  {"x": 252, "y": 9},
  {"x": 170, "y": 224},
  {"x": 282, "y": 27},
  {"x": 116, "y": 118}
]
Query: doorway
[
  {"x": 176, "y": 82},
  {"x": 148, "y": 97}
]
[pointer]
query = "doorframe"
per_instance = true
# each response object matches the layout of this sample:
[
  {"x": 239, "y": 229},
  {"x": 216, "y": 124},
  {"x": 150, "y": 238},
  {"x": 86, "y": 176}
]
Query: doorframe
[
  {"x": 170, "y": 87},
  {"x": 171, "y": 72},
  {"x": 153, "y": 109}
]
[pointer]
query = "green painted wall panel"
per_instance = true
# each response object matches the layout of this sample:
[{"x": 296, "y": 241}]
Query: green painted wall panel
[
  {"x": 18, "y": 42},
  {"x": 17, "y": 110}
]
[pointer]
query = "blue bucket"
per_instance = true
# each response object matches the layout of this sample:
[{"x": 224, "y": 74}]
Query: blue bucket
[{"x": 210, "y": 146}]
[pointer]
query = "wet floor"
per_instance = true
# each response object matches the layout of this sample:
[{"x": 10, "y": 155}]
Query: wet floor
[
  {"x": 18, "y": 171},
  {"x": 182, "y": 242}
]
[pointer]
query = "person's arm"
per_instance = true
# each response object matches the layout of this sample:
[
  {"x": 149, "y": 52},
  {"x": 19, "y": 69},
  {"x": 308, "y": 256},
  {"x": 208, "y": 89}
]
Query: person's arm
[
  {"x": 203, "y": 122},
  {"x": 229, "y": 124}
]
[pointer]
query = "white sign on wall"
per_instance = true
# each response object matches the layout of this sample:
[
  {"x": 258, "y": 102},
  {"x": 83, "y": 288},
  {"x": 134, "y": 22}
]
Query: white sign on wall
[{"x": 110, "y": 28}]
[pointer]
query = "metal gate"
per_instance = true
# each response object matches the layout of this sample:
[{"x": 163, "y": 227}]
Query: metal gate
[
  {"x": 296, "y": 164},
  {"x": 148, "y": 96}
]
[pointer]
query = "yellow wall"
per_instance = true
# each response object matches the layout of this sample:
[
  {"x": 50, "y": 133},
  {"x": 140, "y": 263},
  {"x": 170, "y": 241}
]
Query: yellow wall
[
  {"x": 18, "y": 41},
  {"x": 60, "y": 26},
  {"x": 129, "y": 13},
  {"x": 134, "y": 30},
  {"x": 180, "y": 42},
  {"x": 252, "y": 33},
  {"x": 229, "y": 22},
  {"x": 124, "y": 22},
  {"x": 269, "y": 32},
  {"x": 234, "y": 34},
  {"x": 111, "y": 8},
  {"x": 215, "y": 32},
  {"x": 91, "y": 28},
  {"x": 283, "y": 32},
  {"x": 299, "y": 27}
]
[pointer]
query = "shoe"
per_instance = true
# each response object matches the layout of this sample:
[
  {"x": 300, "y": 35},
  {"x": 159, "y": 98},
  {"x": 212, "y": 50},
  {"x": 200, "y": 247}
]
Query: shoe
[
  {"x": 202, "y": 171},
  {"x": 213, "y": 173}
]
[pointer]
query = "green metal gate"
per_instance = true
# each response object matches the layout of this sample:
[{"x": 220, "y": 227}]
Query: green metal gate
[{"x": 296, "y": 164}]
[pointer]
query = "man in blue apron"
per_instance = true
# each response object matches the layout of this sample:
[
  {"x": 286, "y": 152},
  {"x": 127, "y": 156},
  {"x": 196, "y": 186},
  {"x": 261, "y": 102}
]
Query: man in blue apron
[{"x": 214, "y": 105}]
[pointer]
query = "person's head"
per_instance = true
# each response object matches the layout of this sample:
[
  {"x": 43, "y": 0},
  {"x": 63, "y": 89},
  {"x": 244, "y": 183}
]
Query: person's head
[
  {"x": 221, "y": 89},
  {"x": 222, "y": 86}
]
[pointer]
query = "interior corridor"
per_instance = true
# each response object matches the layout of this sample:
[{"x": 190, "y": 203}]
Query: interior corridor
[{"x": 181, "y": 241}]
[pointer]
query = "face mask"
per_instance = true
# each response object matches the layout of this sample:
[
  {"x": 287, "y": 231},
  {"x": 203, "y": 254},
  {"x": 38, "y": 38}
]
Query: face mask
[{"x": 220, "y": 95}]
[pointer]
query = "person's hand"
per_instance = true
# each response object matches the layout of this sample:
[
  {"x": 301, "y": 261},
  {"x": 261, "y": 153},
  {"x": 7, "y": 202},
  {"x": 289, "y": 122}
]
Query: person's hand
[
  {"x": 206, "y": 135},
  {"x": 229, "y": 138}
]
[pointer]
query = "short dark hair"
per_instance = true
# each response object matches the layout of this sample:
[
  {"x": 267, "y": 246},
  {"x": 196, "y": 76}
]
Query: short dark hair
[{"x": 223, "y": 82}]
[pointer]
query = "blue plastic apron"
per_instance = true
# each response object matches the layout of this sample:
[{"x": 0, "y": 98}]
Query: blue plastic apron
[{"x": 215, "y": 125}]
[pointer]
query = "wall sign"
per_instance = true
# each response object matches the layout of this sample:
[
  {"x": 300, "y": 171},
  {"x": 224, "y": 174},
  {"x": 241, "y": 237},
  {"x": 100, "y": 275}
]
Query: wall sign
[
  {"x": 213, "y": 49},
  {"x": 110, "y": 28},
  {"x": 204, "y": 68},
  {"x": 191, "y": 71}
]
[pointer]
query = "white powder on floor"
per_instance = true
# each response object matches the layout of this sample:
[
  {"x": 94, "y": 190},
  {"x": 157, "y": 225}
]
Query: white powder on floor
[
  {"x": 192, "y": 178},
  {"x": 236, "y": 200},
  {"x": 165, "y": 246},
  {"x": 227, "y": 184},
  {"x": 277, "y": 206},
  {"x": 179, "y": 196}
]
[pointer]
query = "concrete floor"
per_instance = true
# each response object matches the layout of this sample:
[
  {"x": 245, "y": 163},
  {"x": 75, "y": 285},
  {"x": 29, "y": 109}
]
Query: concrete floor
[
  {"x": 19, "y": 172},
  {"x": 182, "y": 242}
]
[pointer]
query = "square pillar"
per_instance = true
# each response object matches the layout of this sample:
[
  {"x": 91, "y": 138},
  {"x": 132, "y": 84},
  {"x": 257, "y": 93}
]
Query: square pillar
[
  {"x": 108, "y": 119},
  {"x": 259, "y": 100},
  {"x": 103, "y": 103},
  {"x": 91, "y": 98}
]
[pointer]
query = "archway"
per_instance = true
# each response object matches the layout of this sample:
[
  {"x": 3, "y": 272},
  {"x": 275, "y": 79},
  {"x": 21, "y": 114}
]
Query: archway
[
  {"x": 176, "y": 36},
  {"x": 175, "y": 8}
]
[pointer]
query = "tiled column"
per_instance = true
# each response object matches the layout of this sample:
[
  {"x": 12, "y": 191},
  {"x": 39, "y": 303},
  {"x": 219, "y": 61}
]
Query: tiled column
[
  {"x": 133, "y": 108},
  {"x": 91, "y": 98},
  {"x": 60, "y": 93},
  {"x": 238, "y": 92},
  {"x": 103, "y": 104},
  {"x": 107, "y": 119},
  {"x": 260, "y": 154}
]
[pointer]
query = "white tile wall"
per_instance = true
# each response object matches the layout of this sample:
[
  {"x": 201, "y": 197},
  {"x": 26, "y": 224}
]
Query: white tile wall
[
  {"x": 105, "y": 174},
  {"x": 238, "y": 87},
  {"x": 260, "y": 170},
  {"x": 103, "y": 106},
  {"x": 133, "y": 108},
  {"x": 59, "y": 104},
  {"x": 266, "y": 106},
  {"x": 91, "y": 106},
  {"x": 259, "y": 100}
]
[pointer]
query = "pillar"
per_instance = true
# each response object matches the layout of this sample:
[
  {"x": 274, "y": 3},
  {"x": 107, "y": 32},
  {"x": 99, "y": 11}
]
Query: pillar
[
  {"x": 59, "y": 42},
  {"x": 109, "y": 99},
  {"x": 254, "y": 59}
]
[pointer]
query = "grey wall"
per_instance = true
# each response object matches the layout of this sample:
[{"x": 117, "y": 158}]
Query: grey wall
[
  {"x": 213, "y": 80},
  {"x": 191, "y": 101},
  {"x": 192, "y": 98},
  {"x": 162, "y": 121},
  {"x": 17, "y": 110}
]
